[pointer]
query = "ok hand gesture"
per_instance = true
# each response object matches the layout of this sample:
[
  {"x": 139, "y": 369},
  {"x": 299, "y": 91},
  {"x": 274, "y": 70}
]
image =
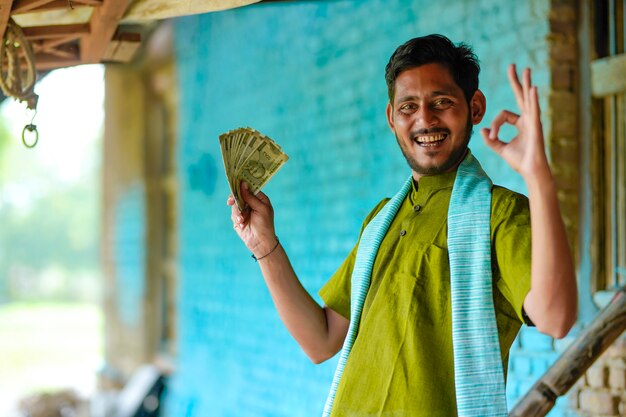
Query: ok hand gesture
[{"x": 525, "y": 153}]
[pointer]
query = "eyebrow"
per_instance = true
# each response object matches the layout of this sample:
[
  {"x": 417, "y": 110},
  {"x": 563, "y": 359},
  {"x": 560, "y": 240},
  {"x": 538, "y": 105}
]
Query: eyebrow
[{"x": 435, "y": 93}]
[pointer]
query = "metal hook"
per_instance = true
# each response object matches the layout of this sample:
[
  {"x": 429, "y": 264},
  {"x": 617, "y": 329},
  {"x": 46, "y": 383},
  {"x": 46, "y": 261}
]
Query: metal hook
[{"x": 34, "y": 111}]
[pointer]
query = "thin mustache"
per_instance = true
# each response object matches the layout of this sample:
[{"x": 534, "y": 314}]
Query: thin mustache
[{"x": 430, "y": 131}]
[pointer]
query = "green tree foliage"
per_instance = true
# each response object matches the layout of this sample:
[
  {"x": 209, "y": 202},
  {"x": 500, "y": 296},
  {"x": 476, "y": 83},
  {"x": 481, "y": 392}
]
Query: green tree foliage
[
  {"x": 59, "y": 227},
  {"x": 47, "y": 222}
]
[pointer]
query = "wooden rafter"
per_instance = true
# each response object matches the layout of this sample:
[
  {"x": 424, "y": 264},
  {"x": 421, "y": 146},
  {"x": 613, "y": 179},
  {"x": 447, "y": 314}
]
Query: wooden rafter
[
  {"x": 61, "y": 45},
  {"x": 5, "y": 13},
  {"x": 28, "y": 6},
  {"x": 54, "y": 46},
  {"x": 56, "y": 31},
  {"x": 104, "y": 23},
  {"x": 122, "y": 47},
  {"x": 66, "y": 52},
  {"x": 48, "y": 62},
  {"x": 23, "y": 6}
]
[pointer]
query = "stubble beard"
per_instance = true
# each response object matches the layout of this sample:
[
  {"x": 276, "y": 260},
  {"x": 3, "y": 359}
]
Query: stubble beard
[{"x": 453, "y": 160}]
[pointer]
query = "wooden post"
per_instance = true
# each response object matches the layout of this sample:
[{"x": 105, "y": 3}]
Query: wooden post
[{"x": 562, "y": 375}]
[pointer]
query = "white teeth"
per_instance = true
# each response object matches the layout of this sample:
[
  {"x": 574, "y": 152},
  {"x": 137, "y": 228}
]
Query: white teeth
[{"x": 430, "y": 138}]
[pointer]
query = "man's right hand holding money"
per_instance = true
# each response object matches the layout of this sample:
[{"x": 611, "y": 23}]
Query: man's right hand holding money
[
  {"x": 320, "y": 331},
  {"x": 255, "y": 226}
]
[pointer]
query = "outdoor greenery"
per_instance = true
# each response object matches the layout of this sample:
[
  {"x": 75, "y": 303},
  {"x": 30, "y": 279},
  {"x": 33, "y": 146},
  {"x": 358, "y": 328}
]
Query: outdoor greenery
[
  {"x": 55, "y": 233},
  {"x": 51, "y": 322},
  {"x": 50, "y": 220},
  {"x": 45, "y": 346}
]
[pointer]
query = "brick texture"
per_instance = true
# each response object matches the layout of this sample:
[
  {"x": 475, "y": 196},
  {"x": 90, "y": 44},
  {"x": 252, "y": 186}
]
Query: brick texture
[
  {"x": 602, "y": 392},
  {"x": 599, "y": 402}
]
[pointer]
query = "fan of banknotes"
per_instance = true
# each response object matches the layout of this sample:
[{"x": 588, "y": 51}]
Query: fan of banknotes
[{"x": 249, "y": 156}]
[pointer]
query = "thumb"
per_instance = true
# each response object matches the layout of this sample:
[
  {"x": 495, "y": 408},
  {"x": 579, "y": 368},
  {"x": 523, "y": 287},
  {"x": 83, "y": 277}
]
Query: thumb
[{"x": 253, "y": 201}]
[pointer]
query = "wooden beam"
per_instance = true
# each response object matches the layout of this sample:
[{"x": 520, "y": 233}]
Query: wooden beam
[
  {"x": 57, "y": 52},
  {"x": 123, "y": 48},
  {"x": 94, "y": 3},
  {"x": 47, "y": 62},
  {"x": 120, "y": 51},
  {"x": 24, "y": 6},
  {"x": 27, "y": 6},
  {"x": 572, "y": 364},
  {"x": 63, "y": 49},
  {"x": 5, "y": 13},
  {"x": 104, "y": 22},
  {"x": 50, "y": 44},
  {"x": 55, "y": 31}
]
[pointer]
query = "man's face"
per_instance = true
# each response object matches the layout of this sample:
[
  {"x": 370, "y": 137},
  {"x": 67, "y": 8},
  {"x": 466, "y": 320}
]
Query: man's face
[{"x": 431, "y": 119}]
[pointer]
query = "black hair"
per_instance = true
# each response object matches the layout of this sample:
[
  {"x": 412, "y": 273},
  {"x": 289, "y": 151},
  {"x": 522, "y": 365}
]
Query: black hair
[{"x": 459, "y": 59}]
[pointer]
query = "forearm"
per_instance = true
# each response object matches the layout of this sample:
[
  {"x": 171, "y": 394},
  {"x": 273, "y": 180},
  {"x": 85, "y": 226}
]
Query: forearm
[
  {"x": 552, "y": 301},
  {"x": 319, "y": 335},
  {"x": 319, "y": 331}
]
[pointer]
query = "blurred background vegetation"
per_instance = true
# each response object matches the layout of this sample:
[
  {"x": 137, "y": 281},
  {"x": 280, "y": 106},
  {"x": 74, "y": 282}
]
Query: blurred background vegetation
[{"x": 50, "y": 317}]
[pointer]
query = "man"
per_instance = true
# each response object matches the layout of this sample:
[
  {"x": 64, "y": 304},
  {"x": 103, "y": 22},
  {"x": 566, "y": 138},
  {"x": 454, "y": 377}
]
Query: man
[{"x": 406, "y": 351}]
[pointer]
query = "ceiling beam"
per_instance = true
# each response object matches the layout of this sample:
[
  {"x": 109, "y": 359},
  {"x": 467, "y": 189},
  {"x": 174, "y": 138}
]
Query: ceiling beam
[
  {"x": 49, "y": 62},
  {"x": 27, "y": 6},
  {"x": 122, "y": 48},
  {"x": 52, "y": 45},
  {"x": 24, "y": 6},
  {"x": 5, "y": 13},
  {"x": 55, "y": 31},
  {"x": 94, "y": 3},
  {"x": 61, "y": 53},
  {"x": 104, "y": 22}
]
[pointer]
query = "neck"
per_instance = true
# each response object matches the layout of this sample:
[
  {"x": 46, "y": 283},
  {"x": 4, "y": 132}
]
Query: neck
[{"x": 418, "y": 175}]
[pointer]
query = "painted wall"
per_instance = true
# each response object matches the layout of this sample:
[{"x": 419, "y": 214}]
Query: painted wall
[{"x": 311, "y": 76}]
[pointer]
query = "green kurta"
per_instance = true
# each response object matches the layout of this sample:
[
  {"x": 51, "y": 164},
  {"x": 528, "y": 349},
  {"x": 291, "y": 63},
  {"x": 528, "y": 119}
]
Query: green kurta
[{"x": 401, "y": 363}]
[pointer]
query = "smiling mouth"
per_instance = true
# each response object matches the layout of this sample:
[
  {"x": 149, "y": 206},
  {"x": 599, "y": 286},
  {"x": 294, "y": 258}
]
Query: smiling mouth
[{"x": 430, "y": 139}]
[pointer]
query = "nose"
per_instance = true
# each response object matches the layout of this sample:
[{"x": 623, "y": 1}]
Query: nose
[{"x": 426, "y": 117}]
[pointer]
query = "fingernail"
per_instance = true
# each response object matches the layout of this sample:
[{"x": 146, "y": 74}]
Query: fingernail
[{"x": 244, "y": 185}]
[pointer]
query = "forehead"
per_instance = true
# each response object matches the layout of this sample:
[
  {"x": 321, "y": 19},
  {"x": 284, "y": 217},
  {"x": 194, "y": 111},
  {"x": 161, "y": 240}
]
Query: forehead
[{"x": 426, "y": 80}]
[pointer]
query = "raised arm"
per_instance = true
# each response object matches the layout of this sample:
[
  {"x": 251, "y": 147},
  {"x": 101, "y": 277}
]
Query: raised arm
[
  {"x": 319, "y": 331},
  {"x": 552, "y": 301}
]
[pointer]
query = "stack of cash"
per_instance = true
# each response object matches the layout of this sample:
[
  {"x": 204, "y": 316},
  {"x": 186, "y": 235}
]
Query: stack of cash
[{"x": 249, "y": 156}]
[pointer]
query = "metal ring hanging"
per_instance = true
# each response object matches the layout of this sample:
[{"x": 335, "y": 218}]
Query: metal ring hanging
[{"x": 30, "y": 128}]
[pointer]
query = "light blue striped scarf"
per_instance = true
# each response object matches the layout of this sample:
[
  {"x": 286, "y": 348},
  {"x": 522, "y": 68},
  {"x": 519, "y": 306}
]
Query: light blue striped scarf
[{"x": 478, "y": 374}]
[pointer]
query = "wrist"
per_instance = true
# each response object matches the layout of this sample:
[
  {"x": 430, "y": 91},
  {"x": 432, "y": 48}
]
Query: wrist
[
  {"x": 539, "y": 176},
  {"x": 265, "y": 250}
]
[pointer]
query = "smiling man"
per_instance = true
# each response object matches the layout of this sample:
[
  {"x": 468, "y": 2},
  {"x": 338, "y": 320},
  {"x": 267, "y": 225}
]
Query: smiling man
[{"x": 426, "y": 306}]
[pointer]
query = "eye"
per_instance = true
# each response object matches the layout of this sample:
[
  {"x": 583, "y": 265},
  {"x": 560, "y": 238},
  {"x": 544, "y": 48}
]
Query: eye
[
  {"x": 442, "y": 103},
  {"x": 408, "y": 108}
]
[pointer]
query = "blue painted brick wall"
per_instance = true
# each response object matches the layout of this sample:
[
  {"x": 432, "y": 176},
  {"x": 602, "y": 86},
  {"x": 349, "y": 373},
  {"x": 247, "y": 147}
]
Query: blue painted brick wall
[
  {"x": 309, "y": 75},
  {"x": 129, "y": 244}
]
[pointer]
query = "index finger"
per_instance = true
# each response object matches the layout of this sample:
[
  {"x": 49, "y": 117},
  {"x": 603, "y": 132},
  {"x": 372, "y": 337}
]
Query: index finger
[{"x": 516, "y": 86}]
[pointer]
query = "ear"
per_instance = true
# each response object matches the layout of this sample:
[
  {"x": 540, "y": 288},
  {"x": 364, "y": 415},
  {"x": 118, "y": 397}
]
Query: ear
[
  {"x": 390, "y": 117},
  {"x": 478, "y": 106}
]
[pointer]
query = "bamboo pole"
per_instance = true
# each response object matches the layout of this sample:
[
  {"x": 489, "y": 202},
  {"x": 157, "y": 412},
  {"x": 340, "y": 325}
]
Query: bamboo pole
[{"x": 563, "y": 374}]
